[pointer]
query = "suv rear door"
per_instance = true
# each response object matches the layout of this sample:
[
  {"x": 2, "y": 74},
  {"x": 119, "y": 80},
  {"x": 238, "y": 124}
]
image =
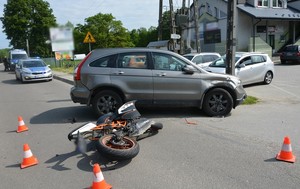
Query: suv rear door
[{"x": 133, "y": 76}]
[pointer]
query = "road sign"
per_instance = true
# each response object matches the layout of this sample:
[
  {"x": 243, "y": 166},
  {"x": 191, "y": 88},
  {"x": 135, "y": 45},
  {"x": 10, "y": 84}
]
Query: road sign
[
  {"x": 89, "y": 38},
  {"x": 175, "y": 36}
]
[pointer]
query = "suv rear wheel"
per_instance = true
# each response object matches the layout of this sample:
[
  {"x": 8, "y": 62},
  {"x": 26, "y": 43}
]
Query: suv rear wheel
[
  {"x": 105, "y": 102},
  {"x": 217, "y": 102}
]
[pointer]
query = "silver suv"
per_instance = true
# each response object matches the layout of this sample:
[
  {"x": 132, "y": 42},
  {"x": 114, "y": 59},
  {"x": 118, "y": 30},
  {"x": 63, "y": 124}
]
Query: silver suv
[{"x": 107, "y": 78}]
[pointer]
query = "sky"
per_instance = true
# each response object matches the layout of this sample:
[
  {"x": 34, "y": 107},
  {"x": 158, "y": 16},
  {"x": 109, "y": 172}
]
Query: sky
[{"x": 134, "y": 14}]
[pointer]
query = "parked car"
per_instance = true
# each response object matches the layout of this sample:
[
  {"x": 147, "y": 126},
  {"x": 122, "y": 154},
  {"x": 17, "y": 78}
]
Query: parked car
[
  {"x": 250, "y": 67},
  {"x": 202, "y": 59},
  {"x": 107, "y": 78},
  {"x": 32, "y": 70},
  {"x": 291, "y": 53}
]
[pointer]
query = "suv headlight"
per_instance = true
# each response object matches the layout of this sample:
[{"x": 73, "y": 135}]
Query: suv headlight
[{"x": 235, "y": 80}]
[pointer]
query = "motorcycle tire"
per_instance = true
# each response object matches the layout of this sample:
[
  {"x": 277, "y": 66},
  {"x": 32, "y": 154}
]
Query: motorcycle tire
[{"x": 116, "y": 152}]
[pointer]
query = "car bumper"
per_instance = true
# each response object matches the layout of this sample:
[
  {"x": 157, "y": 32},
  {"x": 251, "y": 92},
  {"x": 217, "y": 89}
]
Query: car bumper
[
  {"x": 37, "y": 77},
  {"x": 80, "y": 95},
  {"x": 241, "y": 95}
]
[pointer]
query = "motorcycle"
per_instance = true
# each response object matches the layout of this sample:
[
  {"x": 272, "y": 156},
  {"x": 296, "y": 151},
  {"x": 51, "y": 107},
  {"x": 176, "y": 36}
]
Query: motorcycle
[{"x": 116, "y": 134}]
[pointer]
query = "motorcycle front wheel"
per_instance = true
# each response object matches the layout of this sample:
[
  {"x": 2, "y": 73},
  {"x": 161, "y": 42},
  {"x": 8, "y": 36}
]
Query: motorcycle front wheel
[{"x": 127, "y": 149}]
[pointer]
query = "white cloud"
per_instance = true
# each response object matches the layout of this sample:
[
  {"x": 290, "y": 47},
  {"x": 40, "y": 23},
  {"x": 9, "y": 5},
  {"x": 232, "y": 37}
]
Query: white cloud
[{"x": 134, "y": 14}]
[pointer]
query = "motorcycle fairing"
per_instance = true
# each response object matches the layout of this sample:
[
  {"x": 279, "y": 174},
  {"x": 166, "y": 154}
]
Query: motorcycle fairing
[
  {"x": 141, "y": 126},
  {"x": 128, "y": 111},
  {"x": 81, "y": 129}
]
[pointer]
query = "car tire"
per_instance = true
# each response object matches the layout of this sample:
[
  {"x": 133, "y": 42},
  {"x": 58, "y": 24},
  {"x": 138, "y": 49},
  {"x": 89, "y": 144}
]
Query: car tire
[
  {"x": 217, "y": 102},
  {"x": 283, "y": 62},
  {"x": 268, "y": 78},
  {"x": 105, "y": 102}
]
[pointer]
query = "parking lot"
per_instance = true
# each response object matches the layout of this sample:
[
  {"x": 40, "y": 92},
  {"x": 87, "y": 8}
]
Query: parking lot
[{"x": 192, "y": 151}]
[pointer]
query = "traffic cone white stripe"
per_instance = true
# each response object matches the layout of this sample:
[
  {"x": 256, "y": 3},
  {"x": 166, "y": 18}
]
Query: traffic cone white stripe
[
  {"x": 98, "y": 177},
  {"x": 28, "y": 154},
  {"x": 286, "y": 148},
  {"x": 21, "y": 123}
]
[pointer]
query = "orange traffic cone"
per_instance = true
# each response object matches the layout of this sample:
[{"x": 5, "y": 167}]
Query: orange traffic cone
[
  {"x": 28, "y": 159},
  {"x": 22, "y": 127},
  {"x": 99, "y": 182},
  {"x": 286, "y": 153}
]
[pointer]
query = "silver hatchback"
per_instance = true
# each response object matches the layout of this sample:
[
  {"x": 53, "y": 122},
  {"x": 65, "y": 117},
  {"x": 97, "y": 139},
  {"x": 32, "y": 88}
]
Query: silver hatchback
[{"x": 107, "y": 78}]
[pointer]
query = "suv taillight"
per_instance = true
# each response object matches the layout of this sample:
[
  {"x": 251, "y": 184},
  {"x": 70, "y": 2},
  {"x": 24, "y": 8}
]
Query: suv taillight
[
  {"x": 78, "y": 69},
  {"x": 298, "y": 54}
]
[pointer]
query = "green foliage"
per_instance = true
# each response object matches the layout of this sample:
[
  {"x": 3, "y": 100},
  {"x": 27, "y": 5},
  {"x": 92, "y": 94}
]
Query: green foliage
[
  {"x": 28, "y": 20},
  {"x": 250, "y": 100},
  {"x": 107, "y": 32}
]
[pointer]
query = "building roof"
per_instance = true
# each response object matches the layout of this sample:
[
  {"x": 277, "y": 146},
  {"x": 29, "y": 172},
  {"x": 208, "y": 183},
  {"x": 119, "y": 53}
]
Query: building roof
[
  {"x": 294, "y": 5},
  {"x": 270, "y": 13}
]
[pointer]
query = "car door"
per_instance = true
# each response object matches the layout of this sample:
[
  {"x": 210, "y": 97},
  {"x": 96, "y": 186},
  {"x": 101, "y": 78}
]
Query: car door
[
  {"x": 133, "y": 76},
  {"x": 254, "y": 70},
  {"x": 170, "y": 83}
]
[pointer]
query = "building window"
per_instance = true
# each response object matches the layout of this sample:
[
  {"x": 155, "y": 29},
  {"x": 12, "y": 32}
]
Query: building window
[
  {"x": 263, "y": 3},
  {"x": 277, "y": 3}
]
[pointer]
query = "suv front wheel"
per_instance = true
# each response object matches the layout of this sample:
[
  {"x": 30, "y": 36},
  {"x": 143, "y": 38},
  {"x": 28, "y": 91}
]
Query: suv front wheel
[
  {"x": 105, "y": 102},
  {"x": 217, "y": 102}
]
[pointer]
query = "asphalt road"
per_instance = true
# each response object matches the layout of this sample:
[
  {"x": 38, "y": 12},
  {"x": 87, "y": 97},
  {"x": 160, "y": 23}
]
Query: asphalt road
[{"x": 237, "y": 151}]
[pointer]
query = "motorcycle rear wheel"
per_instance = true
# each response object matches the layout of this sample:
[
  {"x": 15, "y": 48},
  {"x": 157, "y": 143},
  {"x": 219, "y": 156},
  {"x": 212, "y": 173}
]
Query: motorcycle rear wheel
[{"x": 117, "y": 152}]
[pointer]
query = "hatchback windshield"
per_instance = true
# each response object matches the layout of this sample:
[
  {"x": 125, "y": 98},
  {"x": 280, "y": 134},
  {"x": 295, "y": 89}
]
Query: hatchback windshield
[
  {"x": 30, "y": 64},
  {"x": 221, "y": 62}
]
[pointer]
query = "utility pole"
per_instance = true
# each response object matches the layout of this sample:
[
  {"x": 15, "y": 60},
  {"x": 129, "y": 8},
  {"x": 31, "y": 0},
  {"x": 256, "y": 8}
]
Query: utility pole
[
  {"x": 173, "y": 29},
  {"x": 231, "y": 37},
  {"x": 196, "y": 26},
  {"x": 160, "y": 20}
]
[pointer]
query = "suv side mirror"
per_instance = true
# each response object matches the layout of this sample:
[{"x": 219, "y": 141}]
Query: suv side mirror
[{"x": 188, "y": 69}]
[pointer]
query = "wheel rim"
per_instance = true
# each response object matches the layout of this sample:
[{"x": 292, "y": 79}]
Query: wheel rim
[
  {"x": 107, "y": 104},
  {"x": 268, "y": 77},
  {"x": 127, "y": 143},
  {"x": 218, "y": 103}
]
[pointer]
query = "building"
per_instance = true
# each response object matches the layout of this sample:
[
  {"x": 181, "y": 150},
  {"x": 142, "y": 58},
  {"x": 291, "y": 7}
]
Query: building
[{"x": 261, "y": 25}]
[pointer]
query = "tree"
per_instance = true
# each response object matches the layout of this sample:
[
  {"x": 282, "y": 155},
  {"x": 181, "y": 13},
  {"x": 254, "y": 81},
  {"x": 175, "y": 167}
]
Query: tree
[
  {"x": 28, "y": 20},
  {"x": 107, "y": 32}
]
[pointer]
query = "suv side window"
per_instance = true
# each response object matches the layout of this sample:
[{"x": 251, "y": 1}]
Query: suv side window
[
  {"x": 132, "y": 60},
  {"x": 107, "y": 61},
  {"x": 167, "y": 62}
]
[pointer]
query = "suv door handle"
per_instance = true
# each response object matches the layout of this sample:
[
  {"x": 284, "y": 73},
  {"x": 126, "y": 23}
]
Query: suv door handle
[
  {"x": 162, "y": 74},
  {"x": 119, "y": 73}
]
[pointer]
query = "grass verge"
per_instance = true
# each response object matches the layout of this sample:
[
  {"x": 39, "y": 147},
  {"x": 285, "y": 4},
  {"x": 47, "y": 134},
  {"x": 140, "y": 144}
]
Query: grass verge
[{"x": 250, "y": 100}]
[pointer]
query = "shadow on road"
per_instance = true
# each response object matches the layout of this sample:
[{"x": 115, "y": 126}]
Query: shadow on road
[{"x": 86, "y": 161}]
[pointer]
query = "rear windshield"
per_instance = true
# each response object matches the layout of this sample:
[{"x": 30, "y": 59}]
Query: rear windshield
[{"x": 293, "y": 48}]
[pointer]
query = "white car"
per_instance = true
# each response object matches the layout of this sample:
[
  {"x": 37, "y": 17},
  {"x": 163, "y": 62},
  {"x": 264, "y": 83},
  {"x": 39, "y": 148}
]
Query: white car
[
  {"x": 33, "y": 70},
  {"x": 250, "y": 67},
  {"x": 202, "y": 59}
]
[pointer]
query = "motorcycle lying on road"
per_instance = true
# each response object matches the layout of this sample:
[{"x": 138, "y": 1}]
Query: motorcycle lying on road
[{"x": 116, "y": 134}]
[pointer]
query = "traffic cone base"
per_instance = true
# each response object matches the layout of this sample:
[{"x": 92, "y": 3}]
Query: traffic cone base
[
  {"x": 22, "y": 127},
  {"x": 29, "y": 159},
  {"x": 286, "y": 153},
  {"x": 281, "y": 157},
  {"x": 99, "y": 182}
]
